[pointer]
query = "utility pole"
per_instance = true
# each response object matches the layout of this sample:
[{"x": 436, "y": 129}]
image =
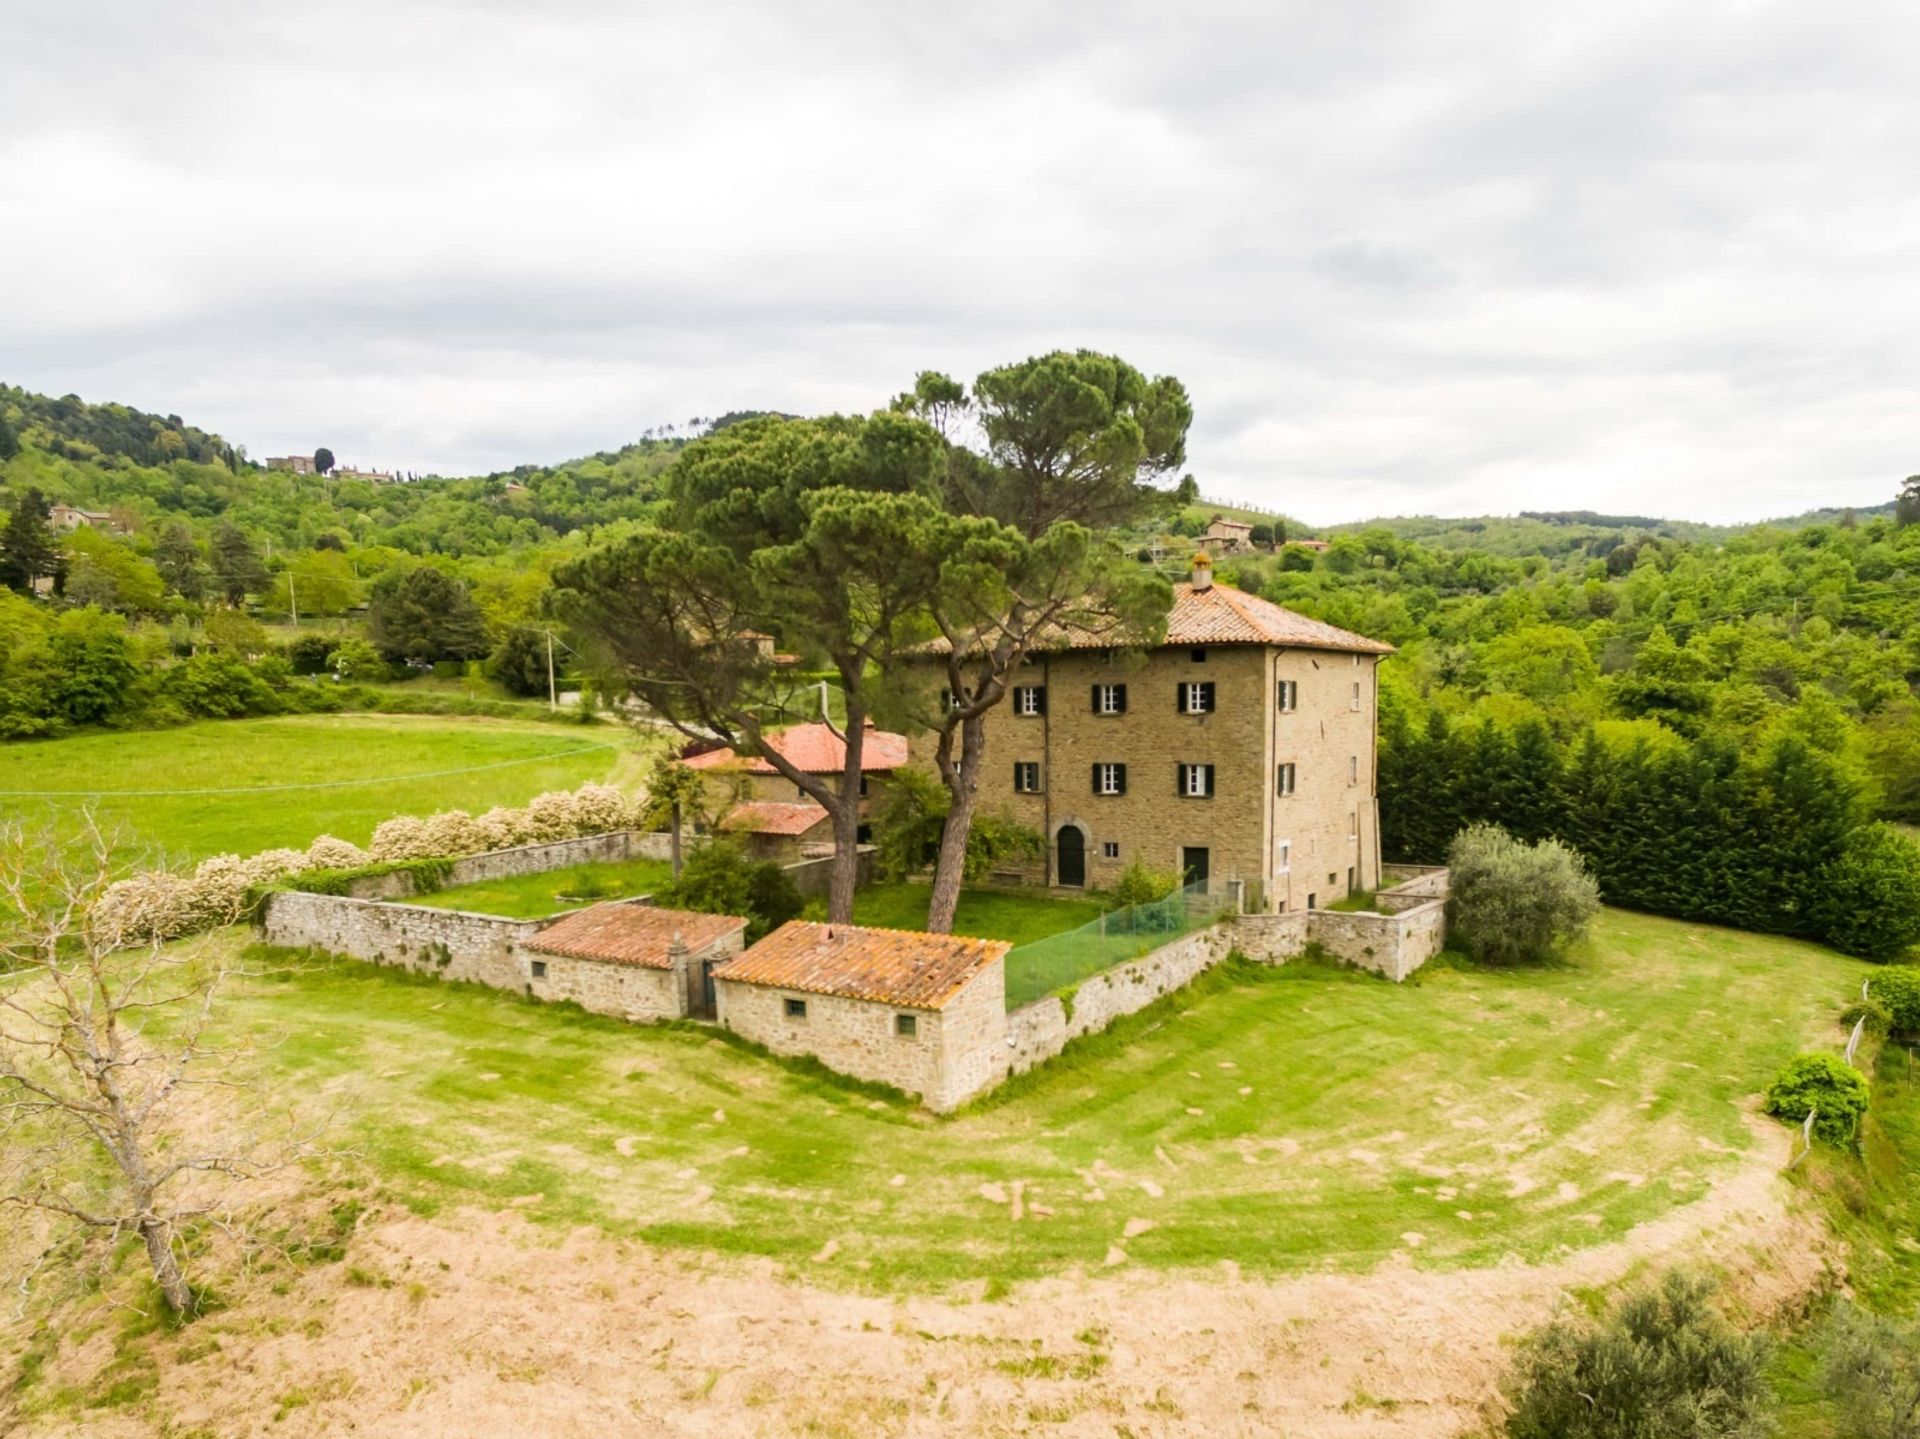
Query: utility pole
[
  {"x": 293, "y": 599},
  {"x": 553, "y": 696}
]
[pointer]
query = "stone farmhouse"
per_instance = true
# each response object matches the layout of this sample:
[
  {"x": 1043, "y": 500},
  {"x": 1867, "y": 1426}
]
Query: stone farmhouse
[
  {"x": 1240, "y": 751},
  {"x": 67, "y": 518},
  {"x": 633, "y": 960},
  {"x": 1227, "y": 537},
  {"x": 748, "y": 788},
  {"x": 292, "y": 464}
]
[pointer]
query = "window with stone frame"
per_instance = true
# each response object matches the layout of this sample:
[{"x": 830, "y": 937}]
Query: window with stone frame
[
  {"x": 1283, "y": 780},
  {"x": 1029, "y": 700},
  {"x": 1109, "y": 779},
  {"x": 1196, "y": 781},
  {"x": 1109, "y": 699},
  {"x": 1026, "y": 776},
  {"x": 907, "y": 1026},
  {"x": 1287, "y": 696},
  {"x": 795, "y": 1008}
]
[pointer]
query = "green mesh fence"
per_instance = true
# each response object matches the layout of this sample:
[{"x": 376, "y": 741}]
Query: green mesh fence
[{"x": 1059, "y": 960}]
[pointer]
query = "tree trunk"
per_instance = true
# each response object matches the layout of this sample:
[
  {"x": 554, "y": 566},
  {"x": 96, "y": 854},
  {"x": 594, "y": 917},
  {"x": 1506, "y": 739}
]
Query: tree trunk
[
  {"x": 963, "y": 791},
  {"x": 158, "y": 1234},
  {"x": 674, "y": 844},
  {"x": 846, "y": 864}
]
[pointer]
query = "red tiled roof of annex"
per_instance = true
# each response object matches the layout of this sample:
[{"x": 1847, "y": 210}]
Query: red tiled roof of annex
[
  {"x": 771, "y": 816},
  {"x": 638, "y": 934},
  {"x": 814, "y": 749},
  {"x": 887, "y": 966}
]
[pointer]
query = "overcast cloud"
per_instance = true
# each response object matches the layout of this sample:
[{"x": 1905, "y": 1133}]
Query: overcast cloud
[{"x": 1455, "y": 259}]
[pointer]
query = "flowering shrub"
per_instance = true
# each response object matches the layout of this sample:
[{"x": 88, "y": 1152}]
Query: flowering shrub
[
  {"x": 327, "y": 852},
  {"x": 165, "y": 905},
  {"x": 402, "y": 837}
]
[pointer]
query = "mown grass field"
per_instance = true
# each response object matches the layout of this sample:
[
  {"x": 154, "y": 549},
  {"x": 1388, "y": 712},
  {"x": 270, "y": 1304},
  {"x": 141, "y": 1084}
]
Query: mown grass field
[
  {"x": 985, "y": 913},
  {"x": 534, "y": 896},
  {"x": 248, "y": 785},
  {"x": 1286, "y": 1119}
]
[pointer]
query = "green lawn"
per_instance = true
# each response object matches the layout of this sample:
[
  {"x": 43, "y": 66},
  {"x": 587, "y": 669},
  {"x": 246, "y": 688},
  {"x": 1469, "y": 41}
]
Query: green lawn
[
  {"x": 535, "y": 896},
  {"x": 247, "y": 785},
  {"x": 985, "y": 913},
  {"x": 1287, "y": 1119}
]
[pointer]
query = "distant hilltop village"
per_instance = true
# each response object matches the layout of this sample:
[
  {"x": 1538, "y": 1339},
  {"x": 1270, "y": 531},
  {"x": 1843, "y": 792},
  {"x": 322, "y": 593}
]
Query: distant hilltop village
[{"x": 304, "y": 465}]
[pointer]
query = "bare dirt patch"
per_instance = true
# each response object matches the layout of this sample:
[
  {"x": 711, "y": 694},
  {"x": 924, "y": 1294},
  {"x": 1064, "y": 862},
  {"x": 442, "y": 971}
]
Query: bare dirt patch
[{"x": 478, "y": 1321}]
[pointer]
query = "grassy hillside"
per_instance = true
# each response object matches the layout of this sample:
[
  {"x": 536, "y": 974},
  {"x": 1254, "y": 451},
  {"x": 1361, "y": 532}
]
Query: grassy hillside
[
  {"x": 1286, "y": 1119},
  {"x": 248, "y": 785}
]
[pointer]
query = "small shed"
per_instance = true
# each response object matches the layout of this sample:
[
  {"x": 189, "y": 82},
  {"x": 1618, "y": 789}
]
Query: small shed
[
  {"x": 781, "y": 831},
  {"x": 925, "y": 1013},
  {"x": 637, "y": 961}
]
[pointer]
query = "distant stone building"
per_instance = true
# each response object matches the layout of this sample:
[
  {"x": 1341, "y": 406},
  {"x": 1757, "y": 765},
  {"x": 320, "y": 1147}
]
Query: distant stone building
[
  {"x": 292, "y": 464},
  {"x": 925, "y": 1013},
  {"x": 372, "y": 477},
  {"x": 1259, "y": 774},
  {"x": 1227, "y": 537},
  {"x": 67, "y": 518}
]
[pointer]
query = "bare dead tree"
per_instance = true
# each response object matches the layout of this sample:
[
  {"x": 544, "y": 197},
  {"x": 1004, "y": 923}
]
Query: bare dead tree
[{"x": 112, "y": 1111}]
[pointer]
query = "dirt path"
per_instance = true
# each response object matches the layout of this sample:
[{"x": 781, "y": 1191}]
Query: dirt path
[{"x": 480, "y": 1325}]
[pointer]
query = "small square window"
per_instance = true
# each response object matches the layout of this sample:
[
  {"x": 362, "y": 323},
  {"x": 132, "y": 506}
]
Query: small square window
[
  {"x": 796, "y": 1008},
  {"x": 907, "y": 1026},
  {"x": 1199, "y": 657},
  {"x": 1109, "y": 849},
  {"x": 539, "y": 969}
]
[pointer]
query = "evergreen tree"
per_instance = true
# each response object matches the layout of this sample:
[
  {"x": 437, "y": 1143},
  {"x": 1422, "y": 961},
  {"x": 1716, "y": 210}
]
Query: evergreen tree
[
  {"x": 178, "y": 559},
  {"x": 238, "y": 570},
  {"x": 9, "y": 441},
  {"x": 27, "y": 551},
  {"x": 426, "y": 614}
]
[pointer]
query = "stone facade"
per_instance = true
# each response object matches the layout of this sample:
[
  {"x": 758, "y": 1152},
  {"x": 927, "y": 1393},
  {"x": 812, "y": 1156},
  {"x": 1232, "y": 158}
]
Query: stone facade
[
  {"x": 954, "y": 1052},
  {"x": 1296, "y": 851},
  {"x": 627, "y": 991}
]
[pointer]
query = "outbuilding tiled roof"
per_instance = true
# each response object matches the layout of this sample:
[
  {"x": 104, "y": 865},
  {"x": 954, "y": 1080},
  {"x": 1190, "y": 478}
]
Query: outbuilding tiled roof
[
  {"x": 639, "y": 934},
  {"x": 769, "y": 816},
  {"x": 813, "y": 749},
  {"x": 887, "y": 966}
]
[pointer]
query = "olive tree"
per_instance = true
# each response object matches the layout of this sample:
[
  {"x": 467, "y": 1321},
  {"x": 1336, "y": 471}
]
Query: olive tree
[{"x": 1513, "y": 902}]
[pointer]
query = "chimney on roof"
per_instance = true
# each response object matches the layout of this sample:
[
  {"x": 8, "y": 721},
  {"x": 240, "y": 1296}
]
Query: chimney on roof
[{"x": 1203, "y": 571}]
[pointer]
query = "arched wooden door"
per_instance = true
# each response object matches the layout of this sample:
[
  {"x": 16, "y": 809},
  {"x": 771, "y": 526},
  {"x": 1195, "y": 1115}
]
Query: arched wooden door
[{"x": 1070, "y": 867}]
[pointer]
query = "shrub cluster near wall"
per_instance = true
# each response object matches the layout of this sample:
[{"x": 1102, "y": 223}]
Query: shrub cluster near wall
[{"x": 164, "y": 904}]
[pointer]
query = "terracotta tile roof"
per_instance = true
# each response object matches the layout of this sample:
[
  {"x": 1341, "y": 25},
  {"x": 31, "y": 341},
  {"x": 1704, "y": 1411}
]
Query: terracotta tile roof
[
  {"x": 1222, "y": 615},
  {"x": 769, "y": 816},
  {"x": 637, "y": 934},
  {"x": 1217, "y": 615},
  {"x": 887, "y": 966},
  {"x": 814, "y": 749}
]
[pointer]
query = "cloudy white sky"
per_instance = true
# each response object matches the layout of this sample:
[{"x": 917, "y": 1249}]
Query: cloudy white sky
[{"x": 1459, "y": 258}]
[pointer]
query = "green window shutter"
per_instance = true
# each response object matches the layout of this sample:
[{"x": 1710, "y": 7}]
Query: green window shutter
[
  {"x": 1206, "y": 696},
  {"x": 1209, "y": 773},
  {"x": 1094, "y": 704},
  {"x": 1120, "y": 697},
  {"x": 1096, "y": 779},
  {"x": 1180, "y": 698},
  {"x": 1120, "y": 774}
]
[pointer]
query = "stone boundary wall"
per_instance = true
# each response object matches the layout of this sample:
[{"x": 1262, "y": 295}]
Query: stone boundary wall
[
  {"x": 1038, "y": 1031},
  {"x": 614, "y": 846},
  {"x": 815, "y": 876},
  {"x": 450, "y": 943}
]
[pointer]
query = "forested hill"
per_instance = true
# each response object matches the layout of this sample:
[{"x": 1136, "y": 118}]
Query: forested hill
[{"x": 154, "y": 472}]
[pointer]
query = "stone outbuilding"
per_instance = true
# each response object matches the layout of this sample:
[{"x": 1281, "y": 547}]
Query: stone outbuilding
[
  {"x": 925, "y": 1013},
  {"x": 781, "y": 831},
  {"x": 814, "y": 749},
  {"x": 636, "y": 961}
]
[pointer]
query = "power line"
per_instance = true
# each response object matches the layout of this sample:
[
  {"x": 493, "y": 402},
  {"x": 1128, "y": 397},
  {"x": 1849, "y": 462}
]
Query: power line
[{"x": 282, "y": 788}]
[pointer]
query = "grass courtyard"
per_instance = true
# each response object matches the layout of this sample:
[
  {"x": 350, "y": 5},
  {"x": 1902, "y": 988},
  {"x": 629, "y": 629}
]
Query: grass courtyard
[
  {"x": 535, "y": 896},
  {"x": 1286, "y": 1119},
  {"x": 248, "y": 785}
]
